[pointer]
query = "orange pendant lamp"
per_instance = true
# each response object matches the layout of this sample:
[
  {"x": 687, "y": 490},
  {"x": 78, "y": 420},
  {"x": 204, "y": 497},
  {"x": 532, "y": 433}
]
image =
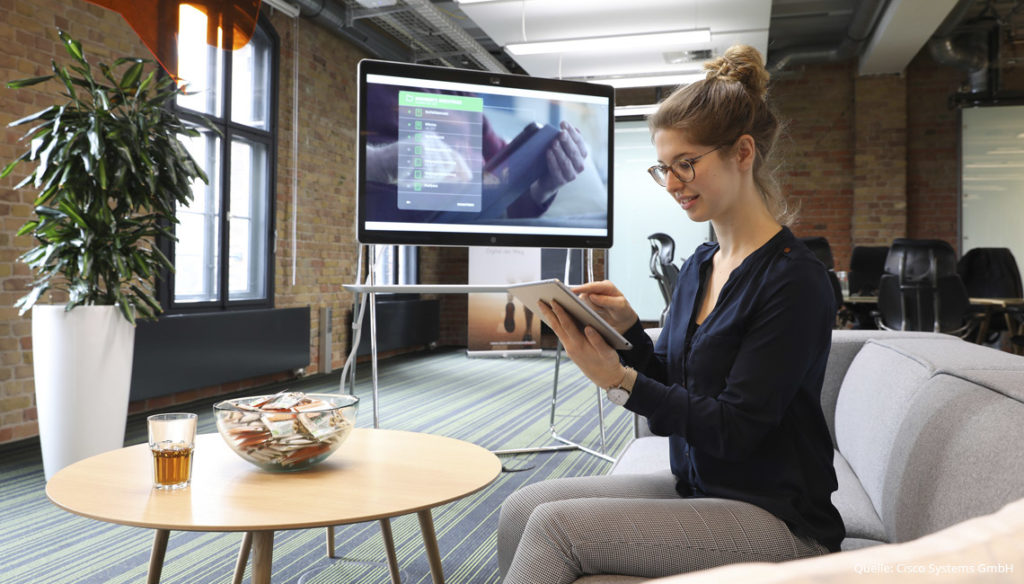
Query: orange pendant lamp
[{"x": 230, "y": 24}]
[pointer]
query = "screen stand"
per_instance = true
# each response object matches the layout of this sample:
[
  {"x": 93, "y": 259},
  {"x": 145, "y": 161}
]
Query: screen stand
[
  {"x": 372, "y": 289},
  {"x": 566, "y": 443}
]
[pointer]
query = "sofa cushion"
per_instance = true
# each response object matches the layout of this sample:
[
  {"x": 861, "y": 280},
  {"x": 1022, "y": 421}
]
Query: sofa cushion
[
  {"x": 959, "y": 454},
  {"x": 855, "y": 543},
  {"x": 873, "y": 400},
  {"x": 854, "y": 505},
  {"x": 643, "y": 455},
  {"x": 984, "y": 549}
]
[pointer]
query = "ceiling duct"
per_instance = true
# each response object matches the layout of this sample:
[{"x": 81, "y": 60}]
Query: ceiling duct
[
  {"x": 414, "y": 31},
  {"x": 456, "y": 34},
  {"x": 861, "y": 25},
  {"x": 334, "y": 17},
  {"x": 967, "y": 51}
]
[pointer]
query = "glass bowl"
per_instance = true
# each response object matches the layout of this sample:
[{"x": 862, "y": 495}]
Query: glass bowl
[{"x": 286, "y": 431}]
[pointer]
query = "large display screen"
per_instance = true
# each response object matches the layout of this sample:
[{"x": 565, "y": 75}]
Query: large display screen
[{"x": 459, "y": 157}]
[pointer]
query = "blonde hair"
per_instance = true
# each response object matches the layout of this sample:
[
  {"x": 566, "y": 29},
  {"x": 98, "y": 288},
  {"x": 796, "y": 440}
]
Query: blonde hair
[{"x": 732, "y": 100}]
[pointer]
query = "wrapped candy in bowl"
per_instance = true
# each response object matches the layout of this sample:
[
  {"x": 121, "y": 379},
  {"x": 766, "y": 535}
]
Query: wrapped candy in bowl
[{"x": 287, "y": 431}]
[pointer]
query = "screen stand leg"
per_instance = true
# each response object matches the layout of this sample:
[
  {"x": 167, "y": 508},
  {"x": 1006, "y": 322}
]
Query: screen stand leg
[
  {"x": 373, "y": 337},
  {"x": 566, "y": 443}
]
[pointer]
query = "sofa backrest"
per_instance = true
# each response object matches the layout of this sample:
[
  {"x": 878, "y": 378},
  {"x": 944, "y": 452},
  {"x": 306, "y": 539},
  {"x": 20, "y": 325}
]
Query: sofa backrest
[
  {"x": 845, "y": 346},
  {"x": 934, "y": 430}
]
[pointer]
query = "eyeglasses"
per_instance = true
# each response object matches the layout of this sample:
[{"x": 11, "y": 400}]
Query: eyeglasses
[{"x": 681, "y": 167}]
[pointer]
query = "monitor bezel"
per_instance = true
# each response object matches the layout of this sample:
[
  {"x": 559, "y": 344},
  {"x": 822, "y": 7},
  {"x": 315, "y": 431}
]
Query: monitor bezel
[{"x": 367, "y": 67}]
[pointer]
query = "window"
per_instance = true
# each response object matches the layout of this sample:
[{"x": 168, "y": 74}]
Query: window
[{"x": 224, "y": 254}]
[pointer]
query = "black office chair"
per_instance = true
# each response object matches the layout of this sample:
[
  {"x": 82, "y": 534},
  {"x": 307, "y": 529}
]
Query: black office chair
[
  {"x": 867, "y": 264},
  {"x": 663, "y": 270},
  {"x": 991, "y": 272},
  {"x": 921, "y": 291},
  {"x": 823, "y": 251}
]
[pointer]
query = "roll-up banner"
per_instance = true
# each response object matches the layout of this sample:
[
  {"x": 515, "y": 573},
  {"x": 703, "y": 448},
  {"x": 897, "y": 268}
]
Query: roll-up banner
[{"x": 499, "y": 325}]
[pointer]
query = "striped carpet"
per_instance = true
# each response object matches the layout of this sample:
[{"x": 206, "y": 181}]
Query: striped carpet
[{"x": 496, "y": 403}]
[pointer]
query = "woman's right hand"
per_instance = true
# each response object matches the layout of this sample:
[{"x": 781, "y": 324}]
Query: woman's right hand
[{"x": 608, "y": 301}]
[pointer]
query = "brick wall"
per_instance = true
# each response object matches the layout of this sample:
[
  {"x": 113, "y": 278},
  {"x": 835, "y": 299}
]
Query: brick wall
[
  {"x": 933, "y": 160},
  {"x": 880, "y": 160},
  {"x": 820, "y": 151},
  {"x": 816, "y": 151}
]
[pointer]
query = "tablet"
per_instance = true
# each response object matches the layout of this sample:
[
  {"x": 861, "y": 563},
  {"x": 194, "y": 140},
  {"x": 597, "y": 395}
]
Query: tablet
[{"x": 547, "y": 290}]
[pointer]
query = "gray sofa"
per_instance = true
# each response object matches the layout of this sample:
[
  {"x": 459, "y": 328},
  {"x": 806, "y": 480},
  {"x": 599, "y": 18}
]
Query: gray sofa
[{"x": 928, "y": 431}]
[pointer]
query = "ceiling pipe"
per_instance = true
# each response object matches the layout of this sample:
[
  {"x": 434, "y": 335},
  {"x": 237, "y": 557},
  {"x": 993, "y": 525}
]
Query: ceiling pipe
[
  {"x": 332, "y": 16},
  {"x": 857, "y": 34},
  {"x": 336, "y": 18},
  {"x": 966, "y": 51},
  {"x": 441, "y": 22}
]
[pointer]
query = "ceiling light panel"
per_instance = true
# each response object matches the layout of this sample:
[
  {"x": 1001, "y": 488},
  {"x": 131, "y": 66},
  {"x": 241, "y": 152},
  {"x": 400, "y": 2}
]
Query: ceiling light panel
[
  {"x": 601, "y": 44},
  {"x": 622, "y": 60},
  {"x": 551, "y": 20},
  {"x": 730, "y": 21},
  {"x": 649, "y": 80}
]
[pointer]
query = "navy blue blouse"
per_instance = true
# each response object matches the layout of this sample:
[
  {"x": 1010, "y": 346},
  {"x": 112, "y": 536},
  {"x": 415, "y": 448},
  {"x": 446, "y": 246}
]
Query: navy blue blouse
[{"x": 740, "y": 397}]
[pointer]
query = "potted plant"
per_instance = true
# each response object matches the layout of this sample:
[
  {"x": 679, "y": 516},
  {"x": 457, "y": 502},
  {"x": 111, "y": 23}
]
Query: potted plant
[{"x": 109, "y": 169}]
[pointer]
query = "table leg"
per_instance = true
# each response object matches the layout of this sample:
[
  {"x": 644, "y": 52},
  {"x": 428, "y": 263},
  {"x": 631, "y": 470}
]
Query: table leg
[
  {"x": 156, "y": 557},
  {"x": 262, "y": 556},
  {"x": 243, "y": 558},
  {"x": 389, "y": 547},
  {"x": 330, "y": 541},
  {"x": 430, "y": 543},
  {"x": 983, "y": 327}
]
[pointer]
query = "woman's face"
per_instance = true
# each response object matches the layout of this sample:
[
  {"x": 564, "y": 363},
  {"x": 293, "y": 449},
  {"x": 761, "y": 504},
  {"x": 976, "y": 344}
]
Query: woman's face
[{"x": 713, "y": 190}]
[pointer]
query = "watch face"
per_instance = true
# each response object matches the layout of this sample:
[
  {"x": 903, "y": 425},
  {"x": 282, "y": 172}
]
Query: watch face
[{"x": 618, "y": 396}]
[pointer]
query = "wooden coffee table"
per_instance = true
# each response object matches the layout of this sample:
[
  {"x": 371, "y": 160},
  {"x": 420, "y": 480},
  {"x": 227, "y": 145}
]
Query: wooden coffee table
[{"x": 375, "y": 475}]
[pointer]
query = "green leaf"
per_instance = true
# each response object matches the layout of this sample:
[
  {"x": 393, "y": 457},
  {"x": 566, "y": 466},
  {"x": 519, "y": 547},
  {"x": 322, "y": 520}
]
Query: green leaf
[
  {"x": 34, "y": 116},
  {"x": 102, "y": 169},
  {"x": 19, "y": 83},
  {"x": 126, "y": 310},
  {"x": 145, "y": 83},
  {"x": 7, "y": 170},
  {"x": 131, "y": 76},
  {"x": 73, "y": 214},
  {"x": 74, "y": 47},
  {"x": 26, "y": 302},
  {"x": 27, "y": 228}
]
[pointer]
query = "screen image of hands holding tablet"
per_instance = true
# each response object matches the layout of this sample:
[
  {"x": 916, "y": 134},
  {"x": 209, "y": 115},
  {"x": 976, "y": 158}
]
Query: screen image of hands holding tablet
[{"x": 529, "y": 293}]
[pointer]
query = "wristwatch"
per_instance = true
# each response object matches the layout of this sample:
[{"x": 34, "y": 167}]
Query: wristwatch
[{"x": 619, "y": 393}]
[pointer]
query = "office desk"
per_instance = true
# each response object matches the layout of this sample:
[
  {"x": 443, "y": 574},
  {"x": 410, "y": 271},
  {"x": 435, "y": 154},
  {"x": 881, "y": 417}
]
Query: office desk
[{"x": 990, "y": 307}]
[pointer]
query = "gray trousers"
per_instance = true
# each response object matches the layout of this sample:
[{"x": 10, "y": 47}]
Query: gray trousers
[{"x": 559, "y": 530}]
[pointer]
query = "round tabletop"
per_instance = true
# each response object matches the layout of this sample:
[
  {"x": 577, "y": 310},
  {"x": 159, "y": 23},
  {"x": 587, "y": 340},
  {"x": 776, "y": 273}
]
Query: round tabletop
[{"x": 375, "y": 474}]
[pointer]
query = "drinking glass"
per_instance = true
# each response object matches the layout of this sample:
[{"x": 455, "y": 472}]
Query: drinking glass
[
  {"x": 844, "y": 283},
  {"x": 171, "y": 440}
]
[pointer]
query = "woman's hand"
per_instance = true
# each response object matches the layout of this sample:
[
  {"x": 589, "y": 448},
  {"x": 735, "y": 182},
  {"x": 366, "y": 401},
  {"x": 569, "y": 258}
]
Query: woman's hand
[
  {"x": 588, "y": 349},
  {"x": 608, "y": 301}
]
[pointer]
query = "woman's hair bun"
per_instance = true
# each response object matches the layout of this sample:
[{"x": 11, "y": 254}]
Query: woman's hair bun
[{"x": 744, "y": 64}]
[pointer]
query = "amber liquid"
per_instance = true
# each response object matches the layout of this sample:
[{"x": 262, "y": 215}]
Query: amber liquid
[{"x": 172, "y": 465}]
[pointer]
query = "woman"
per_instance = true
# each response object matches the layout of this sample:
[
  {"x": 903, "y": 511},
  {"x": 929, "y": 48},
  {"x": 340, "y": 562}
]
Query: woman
[{"x": 734, "y": 379}]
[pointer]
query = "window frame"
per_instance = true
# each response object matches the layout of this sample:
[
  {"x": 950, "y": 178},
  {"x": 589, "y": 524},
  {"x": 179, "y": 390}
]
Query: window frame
[{"x": 234, "y": 130}]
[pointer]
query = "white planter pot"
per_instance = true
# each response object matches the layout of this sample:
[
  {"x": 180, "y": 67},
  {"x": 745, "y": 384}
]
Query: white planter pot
[{"x": 82, "y": 361}]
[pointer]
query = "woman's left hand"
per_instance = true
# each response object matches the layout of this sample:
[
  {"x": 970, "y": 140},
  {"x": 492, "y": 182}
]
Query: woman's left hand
[{"x": 588, "y": 349}]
